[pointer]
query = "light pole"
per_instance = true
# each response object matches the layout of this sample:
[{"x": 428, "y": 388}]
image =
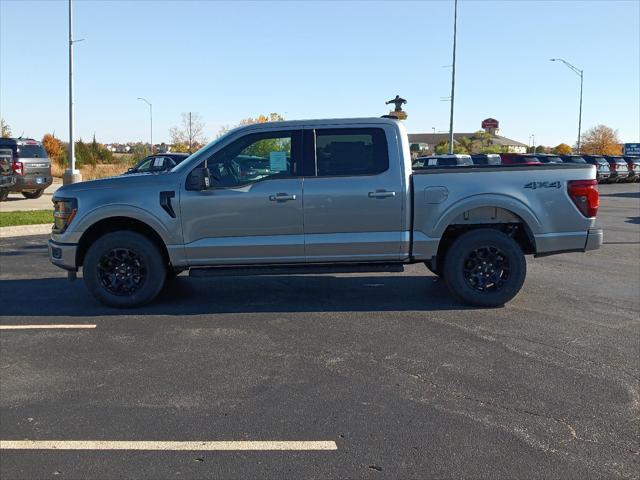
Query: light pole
[
  {"x": 453, "y": 74},
  {"x": 71, "y": 175},
  {"x": 150, "y": 120},
  {"x": 581, "y": 73},
  {"x": 532, "y": 140}
]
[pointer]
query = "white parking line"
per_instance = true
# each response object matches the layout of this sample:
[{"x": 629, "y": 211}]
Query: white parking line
[
  {"x": 29, "y": 327},
  {"x": 278, "y": 445}
]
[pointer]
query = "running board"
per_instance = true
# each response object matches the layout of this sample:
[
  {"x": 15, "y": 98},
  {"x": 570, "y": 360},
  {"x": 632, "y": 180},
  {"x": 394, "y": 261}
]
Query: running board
[{"x": 302, "y": 269}]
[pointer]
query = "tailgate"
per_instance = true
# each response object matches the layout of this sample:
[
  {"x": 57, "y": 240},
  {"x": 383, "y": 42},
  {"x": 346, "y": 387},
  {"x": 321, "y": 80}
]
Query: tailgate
[{"x": 36, "y": 166}]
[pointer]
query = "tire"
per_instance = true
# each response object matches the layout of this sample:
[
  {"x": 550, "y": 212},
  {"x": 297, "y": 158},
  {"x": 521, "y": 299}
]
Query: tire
[
  {"x": 4, "y": 194},
  {"x": 124, "y": 269},
  {"x": 32, "y": 195},
  {"x": 484, "y": 267}
]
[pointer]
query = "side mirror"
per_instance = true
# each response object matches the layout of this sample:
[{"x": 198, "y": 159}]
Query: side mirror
[{"x": 199, "y": 180}]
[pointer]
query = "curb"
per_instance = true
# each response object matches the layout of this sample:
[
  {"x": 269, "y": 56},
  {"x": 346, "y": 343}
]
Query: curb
[{"x": 25, "y": 230}]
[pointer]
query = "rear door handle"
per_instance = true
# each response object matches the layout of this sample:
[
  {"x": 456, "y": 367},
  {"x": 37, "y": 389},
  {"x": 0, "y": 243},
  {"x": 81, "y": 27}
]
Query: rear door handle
[
  {"x": 281, "y": 197},
  {"x": 381, "y": 194}
]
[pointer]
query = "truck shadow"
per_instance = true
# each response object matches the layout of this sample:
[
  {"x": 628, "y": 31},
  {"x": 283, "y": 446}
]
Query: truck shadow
[
  {"x": 53, "y": 297},
  {"x": 621, "y": 195}
]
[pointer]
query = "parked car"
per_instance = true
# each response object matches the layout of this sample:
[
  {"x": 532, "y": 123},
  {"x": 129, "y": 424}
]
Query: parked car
[
  {"x": 7, "y": 176},
  {"x": 31, "y": 165},
  {"x": 603, "y": 170},
  {"x": 350, "y": 203},
  {"x": 622, "y": 167},
  {"x": 618, "y": 167},
  {"x": 548, "y": 158},
  {"x": 446, "y": 160},
  {"x": 159, "y": 162},
  {"x": 486, "y": 159},
  {"x": 519, "y": 159},
  {"x": 633, "y": 164}
]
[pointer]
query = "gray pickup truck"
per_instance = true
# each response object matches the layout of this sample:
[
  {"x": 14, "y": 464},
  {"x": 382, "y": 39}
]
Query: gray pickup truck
[{"x": 321, "y": 196}]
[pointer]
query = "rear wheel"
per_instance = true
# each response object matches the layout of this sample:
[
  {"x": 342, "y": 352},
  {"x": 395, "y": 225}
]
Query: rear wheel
[
  {"x": 32, "y": 194},
  {"x": 4, "y": 194},
  {"x": 484, "y": 267},
  {"x": 124, "y": 269}
]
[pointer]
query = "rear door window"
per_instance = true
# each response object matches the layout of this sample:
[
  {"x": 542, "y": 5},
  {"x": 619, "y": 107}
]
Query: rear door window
[
  {"x": 30, "y": 151},
  {"x": 351, "y": 152}
]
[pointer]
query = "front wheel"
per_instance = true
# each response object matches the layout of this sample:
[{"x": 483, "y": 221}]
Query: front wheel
[
  {"x": 33, "y": 194},
  {"x": 124, "y": 269},
  {"x": 484, "y": 267},
  {"x": 4, "y": 194}
]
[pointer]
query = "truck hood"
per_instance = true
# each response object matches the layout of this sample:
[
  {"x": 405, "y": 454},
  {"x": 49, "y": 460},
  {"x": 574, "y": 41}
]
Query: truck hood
[{"x": 135, "y": 180}]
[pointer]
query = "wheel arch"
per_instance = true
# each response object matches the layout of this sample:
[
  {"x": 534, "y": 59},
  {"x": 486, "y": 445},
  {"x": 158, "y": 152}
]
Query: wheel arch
[{"x": 115, "y": 223}]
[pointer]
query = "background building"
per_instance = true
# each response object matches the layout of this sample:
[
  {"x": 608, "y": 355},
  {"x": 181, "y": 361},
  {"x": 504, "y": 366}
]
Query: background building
[{"x": 425, "y": 143}]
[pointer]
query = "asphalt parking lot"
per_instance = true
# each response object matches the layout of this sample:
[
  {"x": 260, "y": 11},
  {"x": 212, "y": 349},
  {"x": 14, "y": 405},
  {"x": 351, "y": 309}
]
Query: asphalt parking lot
[{"x": 404, "y": 382}]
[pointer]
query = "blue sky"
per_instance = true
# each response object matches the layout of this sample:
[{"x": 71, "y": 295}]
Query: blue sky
[{"x": 231, "y": 60}]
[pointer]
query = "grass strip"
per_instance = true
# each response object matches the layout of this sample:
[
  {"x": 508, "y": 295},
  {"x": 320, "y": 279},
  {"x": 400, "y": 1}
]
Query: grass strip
[{"x": 35, "y": 217}]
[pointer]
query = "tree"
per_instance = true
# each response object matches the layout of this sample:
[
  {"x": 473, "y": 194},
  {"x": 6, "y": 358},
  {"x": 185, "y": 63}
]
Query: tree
[
  {"x": 443, "y": 148},
  {"x": 272, "y": 117},
  {"x": 562, "y": 149},
  {"x": 92, "y": 153},
  {"x": 5, "y": 129},
  {"x": 55, "y": 149},
  {"x": 190, "y": 132},
  {"x": 537, "y": 149},
  {"x": 600, "y": 140}
]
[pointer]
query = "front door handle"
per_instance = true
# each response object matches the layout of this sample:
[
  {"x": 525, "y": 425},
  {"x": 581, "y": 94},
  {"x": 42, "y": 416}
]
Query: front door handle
[
  {"x": 281, "y": 197},
  {"x": 381, "y": 194}
]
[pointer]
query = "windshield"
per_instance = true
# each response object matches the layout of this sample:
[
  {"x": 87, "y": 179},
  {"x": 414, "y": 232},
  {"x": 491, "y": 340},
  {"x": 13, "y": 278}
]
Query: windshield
[{"x": 577, "y": 160}]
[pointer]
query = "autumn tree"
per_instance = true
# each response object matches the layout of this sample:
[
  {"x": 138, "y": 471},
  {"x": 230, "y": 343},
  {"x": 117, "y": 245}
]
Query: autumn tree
[
  {"x": 272, "y": 117},
  {"x": 600, "y": 140},
  {"x": 562, "y": 149},
  {"x": 190, "y": 132},
  {"x": 5, "y": 129},
  {"x": 55, "y": 149}
]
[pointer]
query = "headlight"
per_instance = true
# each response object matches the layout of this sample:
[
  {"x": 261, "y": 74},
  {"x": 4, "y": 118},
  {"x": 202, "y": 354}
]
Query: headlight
[{"x": 64, "y": 209}]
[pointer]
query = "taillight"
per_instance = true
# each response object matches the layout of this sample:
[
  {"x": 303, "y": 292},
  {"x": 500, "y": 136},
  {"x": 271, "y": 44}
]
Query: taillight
[
  {"x": 18, "y": 168},
  {"x": 584, "y": 194}
]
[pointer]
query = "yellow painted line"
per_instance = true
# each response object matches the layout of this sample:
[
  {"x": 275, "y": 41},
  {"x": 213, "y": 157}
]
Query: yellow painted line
[
  {"x": 30, "y": 327},
  {"x": 262, "y": 445}
]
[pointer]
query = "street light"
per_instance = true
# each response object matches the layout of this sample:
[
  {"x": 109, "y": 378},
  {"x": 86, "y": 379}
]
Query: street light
[
  {"x": 453, "y": 74},
  {"x": 150, "y": 119},
  {"x": 532, "y": 141},
  {"x": 581, "y": 73},
  {"x": 71, "y": 175}
]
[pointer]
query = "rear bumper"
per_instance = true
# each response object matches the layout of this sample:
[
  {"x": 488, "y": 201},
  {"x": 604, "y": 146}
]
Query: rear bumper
[
  {"x": 63, "y": 255},
  {"x": 595, "y": 237},
  {"x": 555, "y": 243},
  {"x": 30, "y": 182}
]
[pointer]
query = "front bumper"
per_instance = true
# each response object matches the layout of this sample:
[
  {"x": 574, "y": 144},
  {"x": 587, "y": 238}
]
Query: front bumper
[
  {"x": 595, "y": 237},
  {"x": 63, "y": 255}
]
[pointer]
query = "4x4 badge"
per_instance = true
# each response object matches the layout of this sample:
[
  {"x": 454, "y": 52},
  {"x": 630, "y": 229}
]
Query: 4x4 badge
[{"x": 536, "y": 185}]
